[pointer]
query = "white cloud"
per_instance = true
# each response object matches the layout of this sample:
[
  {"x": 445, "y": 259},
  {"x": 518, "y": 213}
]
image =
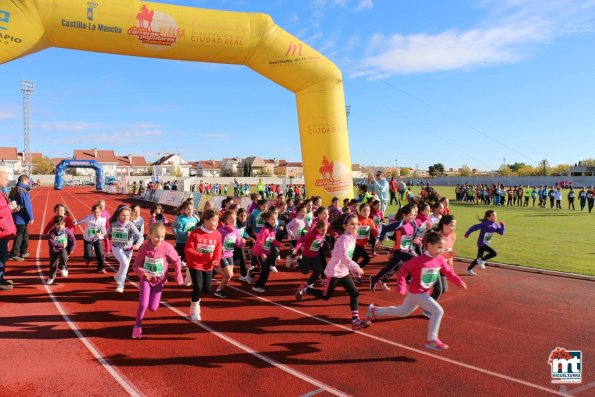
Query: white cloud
[
  {"x": 512, "y": 32},
  {"x": 69, "y": 126},
  {"x": 117, "y": 137},
  {"x": 213, "y": 136},
  {"x": 9, "y": 114}
]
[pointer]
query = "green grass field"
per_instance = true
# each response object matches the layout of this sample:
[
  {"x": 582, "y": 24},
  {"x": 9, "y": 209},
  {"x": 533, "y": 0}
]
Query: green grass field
[{"x": 562, "y": 240}]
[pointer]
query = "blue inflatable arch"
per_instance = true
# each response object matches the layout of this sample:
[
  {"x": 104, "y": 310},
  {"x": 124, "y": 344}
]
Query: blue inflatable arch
[{"x": 60, "y": 168}]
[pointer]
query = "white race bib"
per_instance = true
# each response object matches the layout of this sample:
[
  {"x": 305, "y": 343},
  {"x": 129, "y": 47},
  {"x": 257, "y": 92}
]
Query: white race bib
[
  {"x": 487, "y": 238},
  {"x": 61, "y": 239},
  {"x": 202, "y": 248},
  {"x": 229, "y": 243},
  {"x": 119, "y": 235},
  {"x": 363, "y": 232},
  {"x": 429, "y": 276},
  {"x": 316, "y": 244},
  {"x": 153, "y": 267},
  {"x": 406, "y": 242}
]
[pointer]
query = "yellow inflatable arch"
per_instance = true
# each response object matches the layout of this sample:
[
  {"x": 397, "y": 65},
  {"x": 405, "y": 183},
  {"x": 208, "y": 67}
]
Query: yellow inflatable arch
[{"x": 175, "y": 32}]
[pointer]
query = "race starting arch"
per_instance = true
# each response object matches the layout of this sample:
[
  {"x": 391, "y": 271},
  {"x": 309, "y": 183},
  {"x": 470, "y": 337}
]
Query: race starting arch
[
  {"x": 64, "y": 164},
  {"x": 156, "y": 30}
]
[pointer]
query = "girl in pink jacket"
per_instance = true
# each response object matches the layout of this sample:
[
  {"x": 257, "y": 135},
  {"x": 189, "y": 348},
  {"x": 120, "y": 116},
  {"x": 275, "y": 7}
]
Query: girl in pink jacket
[
  {"x": 151, "y": 265},
  {"x": 425, "y": 271},
  {"x": 339, "y": 268}
]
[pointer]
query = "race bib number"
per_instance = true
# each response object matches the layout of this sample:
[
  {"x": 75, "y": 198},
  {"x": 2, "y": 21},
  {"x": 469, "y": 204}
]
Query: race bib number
[
  {"x": 316, "y": 244},
  {"x": 203, "y": 248},
  {"x": 230, "y": 242},
  {"x": 363, "y": 232},
  {"x": 422, "y": 230},
  {"x": 268, "y": 243},
  {"x": 309, "y": 218},
  {"x": 189, "y": 226},
  {"x": 93, "y": 231},
  {"x": 299, "y": 231},
  {"x": 429, "y": 276},
  {"x": 376, "y": 220},
  {"x": 259, "y": 222},
  {"x": 153, "y": 267},
  {"x": 487, "y": 238},
  {"x": 119, "y": 235},
  {"x": 406, "y": 242},
  {"x": 350, "y": 252},
  {"x": 61, "y": 240},
  {"x": 242, "y": 231}
]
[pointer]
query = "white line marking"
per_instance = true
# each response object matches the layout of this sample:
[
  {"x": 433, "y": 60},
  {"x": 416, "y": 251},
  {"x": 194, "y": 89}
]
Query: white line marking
[
  {"x": 126, "y": 385},
  {"x": 241, "y": 346},
  {"x": 312, "y": 393},
  {"x": 582, "y": 388},
  {"x": 389, "y": 342}
]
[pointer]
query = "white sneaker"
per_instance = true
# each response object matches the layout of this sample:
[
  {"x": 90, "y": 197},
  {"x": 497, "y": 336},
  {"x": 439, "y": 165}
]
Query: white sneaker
[
  {"x": 380, "y": 286},
  {"x": 274, "y": 269},
  {"x": 64, "y": 273},
  {"x": 120, "y": 289},
  {"x": 250, "y": 269},
  {"x": 258, "y": 289},
  {"x": 188, "y": 279},
  {"x": 51, "y": 280},
  {"x": 195, "y": 311},
  {"x": 247, "y": 279},
  {"x": 471, "y": 272},
  {"x": 184, "y": 265},
  {"x": 481, "y": 263}
]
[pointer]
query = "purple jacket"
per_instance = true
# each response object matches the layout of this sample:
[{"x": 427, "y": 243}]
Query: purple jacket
[
  {"x": 230, "y": 238},
  {"x": 61, "y": 240},
  {"x": 487, "y": 230}
]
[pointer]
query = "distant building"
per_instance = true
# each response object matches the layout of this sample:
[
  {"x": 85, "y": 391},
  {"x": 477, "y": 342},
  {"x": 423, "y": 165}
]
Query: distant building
[
  {"x": 132, "y": 165},
  {"x": 170, "y": 164},
  {"x": 289, "y": 170},
  {"x": 581, "y": 171},
  {"x": 9, "y": 158},
  {"x": 106, "y": 158},
  {"x": 230, "y": 166},
  {"x": 208, "y": 168},
  {"x": 254, "y": 163}
]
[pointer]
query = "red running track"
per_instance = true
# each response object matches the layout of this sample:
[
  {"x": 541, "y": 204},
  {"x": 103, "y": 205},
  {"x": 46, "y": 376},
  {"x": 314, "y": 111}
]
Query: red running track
[{"x": 73, "y": 337}]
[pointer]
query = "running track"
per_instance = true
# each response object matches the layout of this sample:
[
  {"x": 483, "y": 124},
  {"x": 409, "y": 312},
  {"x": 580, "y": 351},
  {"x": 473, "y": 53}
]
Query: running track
[{"x": 73, "y": 338}]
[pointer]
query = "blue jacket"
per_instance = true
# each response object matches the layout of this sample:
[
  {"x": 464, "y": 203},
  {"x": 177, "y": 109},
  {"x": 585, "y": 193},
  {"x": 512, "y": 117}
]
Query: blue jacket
[{"x": 20, "y": 194}]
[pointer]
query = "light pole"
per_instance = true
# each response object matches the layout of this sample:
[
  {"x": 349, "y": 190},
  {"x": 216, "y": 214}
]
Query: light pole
[{"x": 27, "y": 87}]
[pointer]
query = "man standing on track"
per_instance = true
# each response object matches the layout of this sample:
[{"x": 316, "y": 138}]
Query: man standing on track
[
  {"x": 7, "y": 228},
  {"x": 22, "y": 218},
  {"x": 380, "y": 186}
]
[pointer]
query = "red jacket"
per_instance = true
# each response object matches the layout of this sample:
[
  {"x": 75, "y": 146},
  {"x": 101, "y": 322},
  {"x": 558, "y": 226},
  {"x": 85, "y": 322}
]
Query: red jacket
[
  {"x": 365, "y": 228},
  {"x": 203, "y": 249}
]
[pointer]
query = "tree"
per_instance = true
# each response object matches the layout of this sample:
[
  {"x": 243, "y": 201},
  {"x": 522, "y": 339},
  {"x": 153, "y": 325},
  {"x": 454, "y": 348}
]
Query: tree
[
  {"x": 43, "y": 166},
  {"x": 465, "y": 170},
  {"x": 561, "y": 170},
  {"x": 178, "y": 172},
  {"x": 525, "y": 170},
  {"x": 405, "y": 172},
  {"x": 436, "y": 169},
  {"x": 504, "y": 170},
  {"x": 516, "y": 166},
  {"x": 544, "y": 168},
  {"x": 587, "y": 163}
]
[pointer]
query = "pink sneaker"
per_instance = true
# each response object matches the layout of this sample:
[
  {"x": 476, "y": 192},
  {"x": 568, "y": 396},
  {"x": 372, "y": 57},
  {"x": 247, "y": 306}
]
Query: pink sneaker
[
  {"x": 380, "y": 286},
  {"x": 436, "y": 344},
  {"x": 137, "y": 332}
]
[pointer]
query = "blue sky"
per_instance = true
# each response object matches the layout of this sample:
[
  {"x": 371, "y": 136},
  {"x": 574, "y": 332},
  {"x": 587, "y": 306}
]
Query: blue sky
[{"x": 456, "y": 82}]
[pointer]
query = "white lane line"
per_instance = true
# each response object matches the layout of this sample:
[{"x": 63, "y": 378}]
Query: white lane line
[
  {"x": 241, "y": 346},
  {"x": 582, "y": 388},
  {"x": 125, "y": 383},
  {"x": 312, "y": 393},
  {"x": 412, "y": 349},
  {"x": 389, "y": 342}
]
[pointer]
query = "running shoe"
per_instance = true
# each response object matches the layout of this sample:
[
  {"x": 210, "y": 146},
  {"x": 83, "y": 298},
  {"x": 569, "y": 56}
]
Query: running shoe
[
  {"x": 258, "y": 289},
  {"x": 436, "y": 344},
  {"x": 371, "y": 313},
  {"x": 471, "y": 272},
  {"x": 359, "y": 324},
  {"x": 195, "y": 311},
  {"x": 51, "y": 280},
  {"x": 274, "y": 269},
  {"x": 137, "y": 332},
  {"x": 26, "y": 255},
  {"x": 64, "y": 272},
  {"x": 220, "y": 294},
  {"x": 102, "y": 271},
  {"x": 300, "y": 292},
  {"x": 120, "y": 289},
  {"x": 380, "y": 286},
  {"x": 481, "y": 263}
]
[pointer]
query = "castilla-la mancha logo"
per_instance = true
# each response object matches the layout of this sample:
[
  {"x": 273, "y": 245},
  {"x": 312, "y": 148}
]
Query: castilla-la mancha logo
[
  {"x": 566, "y": 365},
  {"x": 334, "y": 176}
]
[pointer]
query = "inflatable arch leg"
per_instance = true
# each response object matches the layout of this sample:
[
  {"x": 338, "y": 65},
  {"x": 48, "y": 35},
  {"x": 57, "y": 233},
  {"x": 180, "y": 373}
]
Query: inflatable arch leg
[{"x": 174, "y": 32}]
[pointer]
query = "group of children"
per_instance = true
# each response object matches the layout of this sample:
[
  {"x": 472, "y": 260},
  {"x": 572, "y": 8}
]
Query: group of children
[{"x": 330, "y": 243}]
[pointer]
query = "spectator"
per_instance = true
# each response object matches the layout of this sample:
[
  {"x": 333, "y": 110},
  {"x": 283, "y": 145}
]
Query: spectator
[
  {"x": 380, "y": 186},
  {"x": 7, "y": 228},
  {"x": 22, "y": 218}
]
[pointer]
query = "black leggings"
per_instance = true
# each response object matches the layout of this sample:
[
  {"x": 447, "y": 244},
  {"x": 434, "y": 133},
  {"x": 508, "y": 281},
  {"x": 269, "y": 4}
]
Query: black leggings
[
  {"x": 397, "y": 259},
  {"x": 240, "y": 256},
  {"x": 265, "y": 267},
  {"x": 482, "y": 250},
  {"x": 329, "y": 287},
  {"x": 314, "y": 264},
  {"x": 360, "y": 252},
  {"x": 441, "y": 287},
  {"x": 201, "y": 281},
  {"x": 96, "y": 245}
]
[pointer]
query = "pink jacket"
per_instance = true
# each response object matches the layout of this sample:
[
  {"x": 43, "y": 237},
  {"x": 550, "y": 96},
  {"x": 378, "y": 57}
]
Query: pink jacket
[
  {"x": 265, "y": 241},
  {"x": 341, "y": 263},
  {"x": 424, "y": 271},
  {"x": 155, "y": 262},
  {"x": 293, "y": 228}
]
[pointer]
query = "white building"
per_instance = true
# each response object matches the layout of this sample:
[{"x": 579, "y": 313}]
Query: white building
[
  {"x": 132, "y": 165},
  {"x": 208, "y": 168},
  {"x": 170, "y": 164},
  {"x": 106, "y": 158},
  {"x": 10, "y": 159}
]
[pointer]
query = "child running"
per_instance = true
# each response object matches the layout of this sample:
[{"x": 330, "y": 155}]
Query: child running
[
  {"x": 339, "y": 268},
  {"x": 125, "y": 238},
  {"x": 107, "y": 246},
  {"x": 151, "y": 265},
  {"x": 446, "y": 228},
  {"x": 487, "y": 228},
  {"x": 61, "y": 242},
  {"x": 203, "y": 253},
  {"x": 69, "y": 219},
  {"x": 93, "y": 235},
  {"x": 137, "y": 219},
  {"x": 312, "y": 244},
  {"x": 231, "y": 239},
  {"x": 295, "y": 229},
  {"x": 265, "y": 249},
  {"x": 238, "y": 252},
  {"x": 424, "y": 271},
  {"x": 157, "y": 215},
  {"x": 405, "y": 229},
  {"x": 365, "y": 229}
]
